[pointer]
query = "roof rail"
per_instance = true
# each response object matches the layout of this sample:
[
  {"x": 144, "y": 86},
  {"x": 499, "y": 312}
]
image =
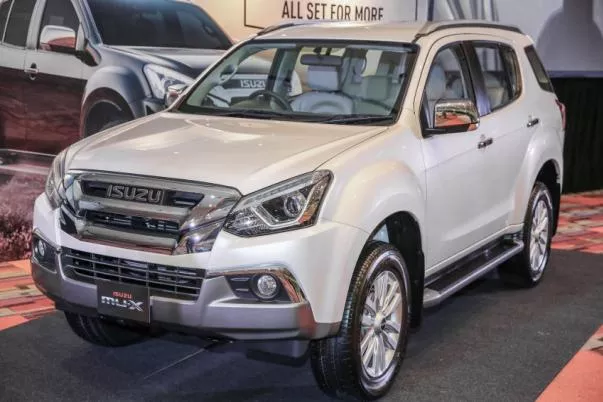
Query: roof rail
[
  {"x": 275, "y": 27},
  {"x": 289, "y": 24},
  {"x": 434, "y": 26}
]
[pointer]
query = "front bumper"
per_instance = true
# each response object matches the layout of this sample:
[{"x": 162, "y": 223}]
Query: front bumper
[{"x": 218, "y": 311}]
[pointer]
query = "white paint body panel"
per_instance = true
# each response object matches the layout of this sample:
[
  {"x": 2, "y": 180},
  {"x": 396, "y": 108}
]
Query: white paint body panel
[{"x": 460, "y": 196}]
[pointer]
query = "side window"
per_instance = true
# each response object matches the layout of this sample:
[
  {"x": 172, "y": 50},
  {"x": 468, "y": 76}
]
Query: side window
[
  {"x": 60, "y": 13},
  {"x": 500, "y": 70},
  {"x": 18, "y": 22},
  {"x": 539, "y": 71},
  {"x": 448, "y": 80},
  {"x": 4, "y": 7}
]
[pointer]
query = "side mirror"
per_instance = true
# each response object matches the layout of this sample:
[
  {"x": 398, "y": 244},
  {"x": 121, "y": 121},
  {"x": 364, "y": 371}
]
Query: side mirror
[
  {"x": 453, "y": 116},
  {"x": 173, "y": 93},
  {"x": 58, "y": 39}
]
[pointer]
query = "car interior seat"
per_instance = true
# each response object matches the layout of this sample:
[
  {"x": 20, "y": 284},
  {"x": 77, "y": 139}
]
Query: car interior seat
[
  {"x": 495, "y": 89},
  {"x": 352, "y": 70},
  {"x": 325, "y": 96},
  {"x": 374, "y": 96}
]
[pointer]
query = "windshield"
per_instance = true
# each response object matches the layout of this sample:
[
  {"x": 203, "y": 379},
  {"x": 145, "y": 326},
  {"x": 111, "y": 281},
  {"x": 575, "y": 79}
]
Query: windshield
[
  {"x": 346, "y": 83},
  {"x": 156, "y": 23}
]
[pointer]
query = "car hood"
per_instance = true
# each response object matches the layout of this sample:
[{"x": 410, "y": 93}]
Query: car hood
[
  {"x": 246, "y": 154},
  {"x": 189, "y": 61}
]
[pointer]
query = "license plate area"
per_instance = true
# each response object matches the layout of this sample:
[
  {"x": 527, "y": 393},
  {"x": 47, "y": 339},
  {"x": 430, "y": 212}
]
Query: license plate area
[{"x": 125, "y": 301}]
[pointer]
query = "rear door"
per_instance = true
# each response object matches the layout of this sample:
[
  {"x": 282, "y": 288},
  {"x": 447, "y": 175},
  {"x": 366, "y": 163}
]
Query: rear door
[
  {"x": 507, "y": 123},
  {"x": 13, "y": 104},
  {"x": 56, "y": 85}
]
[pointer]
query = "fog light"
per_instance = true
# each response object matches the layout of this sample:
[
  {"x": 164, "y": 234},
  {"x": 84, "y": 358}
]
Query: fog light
[
  {"x": 40, "y": 249},
  {"x": 265, "y": 286},
  {"x": 43, "y": 253}
]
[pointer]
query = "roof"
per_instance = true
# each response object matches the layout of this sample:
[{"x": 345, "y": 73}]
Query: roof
[{"x": 403, "y": 32}]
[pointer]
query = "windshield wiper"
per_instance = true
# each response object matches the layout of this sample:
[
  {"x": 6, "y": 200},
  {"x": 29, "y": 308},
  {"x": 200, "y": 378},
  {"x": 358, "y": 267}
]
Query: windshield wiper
[
  {"x": 339, "y": 119},
  {"x": 255, "y": 113}
]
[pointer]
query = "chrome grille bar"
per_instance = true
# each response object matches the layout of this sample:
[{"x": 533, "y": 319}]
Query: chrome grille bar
[
  {"x": 176, "y": 282},
  {"x": 95, "y": 214}
]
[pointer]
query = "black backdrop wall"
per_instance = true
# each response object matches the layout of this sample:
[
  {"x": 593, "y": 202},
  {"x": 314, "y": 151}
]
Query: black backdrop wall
[{"x": 583, "y": 99}]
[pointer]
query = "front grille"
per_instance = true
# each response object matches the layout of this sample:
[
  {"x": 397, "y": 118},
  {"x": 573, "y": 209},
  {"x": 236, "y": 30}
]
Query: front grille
[
  {"x": 133, "y": 223},
  {"x": 170, "y": 198},
  {"x": 162, "y": 280},
  {"x": 139, "y": 212}
]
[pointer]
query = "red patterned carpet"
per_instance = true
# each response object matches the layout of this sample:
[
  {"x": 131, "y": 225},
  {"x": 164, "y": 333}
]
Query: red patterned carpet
[{"x": 20, "y": 300}]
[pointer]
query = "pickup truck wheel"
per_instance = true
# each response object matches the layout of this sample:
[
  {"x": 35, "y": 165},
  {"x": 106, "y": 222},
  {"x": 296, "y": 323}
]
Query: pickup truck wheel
[
  {"x": 103, "y": 333},
  {"x": 362, "y": 361},
  {"x": 103, "y": 116},
  {"x": 527, "y": 268}
]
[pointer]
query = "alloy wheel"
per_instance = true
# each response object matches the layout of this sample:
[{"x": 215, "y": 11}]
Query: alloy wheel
[
  {"x": 539, "y": 238},
  {"x": 382, "y": 319}
]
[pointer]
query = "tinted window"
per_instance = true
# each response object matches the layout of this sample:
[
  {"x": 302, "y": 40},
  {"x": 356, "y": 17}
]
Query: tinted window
[
  {"x": 500, "y": 70},
  {"x": 448, "y": 80},
  {"x": 4, "y": 7},
  {"x": 156, "y": 23},
  {"x": 60, "y": 13},
  {"x": 539, "y": 71},
  {"x": 18, "y": 22}
]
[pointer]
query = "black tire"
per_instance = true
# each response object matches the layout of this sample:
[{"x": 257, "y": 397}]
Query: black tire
[
  {"x": 103, "y": 116},
  {"x": 101, "y": 332},
  {"x": 336, "y": 362},
  {"x": 521, "y": 270}
]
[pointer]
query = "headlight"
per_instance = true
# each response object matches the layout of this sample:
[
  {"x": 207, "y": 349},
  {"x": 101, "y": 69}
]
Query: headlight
[
  {"x": 160, "y": 78},
  {"x": 55, "y": 185},
  {"x": 289, "y": 205}
]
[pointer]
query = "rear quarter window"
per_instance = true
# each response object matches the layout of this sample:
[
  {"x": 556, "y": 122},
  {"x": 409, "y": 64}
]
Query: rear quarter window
[{"x": 539, "y": 71}]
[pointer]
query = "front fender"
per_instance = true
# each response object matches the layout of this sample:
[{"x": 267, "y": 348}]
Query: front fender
[
  {"x": 131, "y": 86},
  {"x": 374, "y": 193}
]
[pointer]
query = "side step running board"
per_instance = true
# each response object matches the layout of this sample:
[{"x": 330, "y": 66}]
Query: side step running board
[{"x": 447, "y": 285}]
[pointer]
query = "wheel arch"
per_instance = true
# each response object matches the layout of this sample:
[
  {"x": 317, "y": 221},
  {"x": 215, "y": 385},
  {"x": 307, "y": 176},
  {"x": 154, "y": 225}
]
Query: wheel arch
[
  {"x": 402, "y": 230},
  {"x": 98, "y": 102},
  {"x": 550, "y": 175}
]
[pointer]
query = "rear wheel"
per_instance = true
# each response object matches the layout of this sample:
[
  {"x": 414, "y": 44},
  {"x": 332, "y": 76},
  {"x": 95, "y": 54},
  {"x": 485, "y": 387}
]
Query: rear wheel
[
  {"x": 104, "y": 333},
  {"x": 362, "y": 361},
  {"x": 527, "y": 268}
]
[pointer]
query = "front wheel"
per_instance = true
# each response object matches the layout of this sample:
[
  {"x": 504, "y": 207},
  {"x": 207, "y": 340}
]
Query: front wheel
[
  {"x": 362, "y": 361},
  {"x": 527, "y": 268}
]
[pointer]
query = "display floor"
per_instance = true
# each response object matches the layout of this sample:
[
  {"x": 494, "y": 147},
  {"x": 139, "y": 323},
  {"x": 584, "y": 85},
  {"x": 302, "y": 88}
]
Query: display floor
[{"x": 487, "y": 343}]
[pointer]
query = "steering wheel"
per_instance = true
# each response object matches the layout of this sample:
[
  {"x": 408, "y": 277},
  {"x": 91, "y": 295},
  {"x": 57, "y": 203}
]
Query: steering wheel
[{"x": 282, "y": 102}]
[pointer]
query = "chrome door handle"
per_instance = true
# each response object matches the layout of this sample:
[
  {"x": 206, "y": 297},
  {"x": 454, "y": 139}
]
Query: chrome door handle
[
  {"x": 31, "y": 71},
  {"x": 485, "y": 143},
  {"x": 533, "y": 121}
]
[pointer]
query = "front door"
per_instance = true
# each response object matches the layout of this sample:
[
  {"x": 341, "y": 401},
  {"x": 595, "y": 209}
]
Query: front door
[
  {"x": 14, "y": 25},
  {"x": 55, "y": 85},
  {"x": 455, "y": 178}
]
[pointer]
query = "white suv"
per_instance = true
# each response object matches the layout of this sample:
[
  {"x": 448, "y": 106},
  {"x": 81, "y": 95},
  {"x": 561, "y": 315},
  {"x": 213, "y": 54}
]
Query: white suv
[{"x": 320, "y": 218}]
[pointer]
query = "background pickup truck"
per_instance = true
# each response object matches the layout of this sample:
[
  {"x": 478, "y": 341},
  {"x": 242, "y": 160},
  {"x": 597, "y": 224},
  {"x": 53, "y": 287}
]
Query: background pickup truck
[{"x": 71, "y": 68}]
